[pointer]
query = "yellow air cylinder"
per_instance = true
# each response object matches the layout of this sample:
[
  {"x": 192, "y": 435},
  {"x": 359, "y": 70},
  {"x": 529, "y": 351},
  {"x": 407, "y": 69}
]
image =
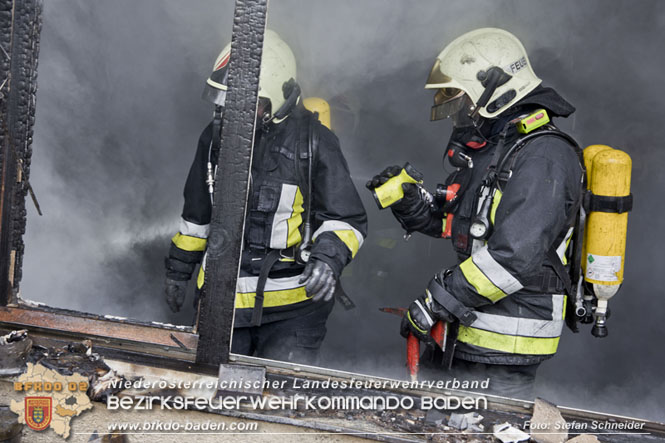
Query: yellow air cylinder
[
  {"x": 606, "y": 231},
  {"x": 316, "y": 104},
  {"x": 589, "y": 154}
]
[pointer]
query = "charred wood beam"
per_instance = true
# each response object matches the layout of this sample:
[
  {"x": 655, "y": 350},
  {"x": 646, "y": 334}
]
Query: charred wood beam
[
  {"x": 232, "y": 184},
  {"x": 19, "y": 49},
  {"x": 148, "y": 337}
]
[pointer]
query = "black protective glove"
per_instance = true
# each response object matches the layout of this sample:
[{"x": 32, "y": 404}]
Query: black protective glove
[
  {"x": 319, "y": 280},
  {"x": 412, "y": 196},
  {"x": 413, "y": 211},
  {"x": 422, "y": 314},
  {"x": 175, "y": 291},
  {"x": 383, "y": 177},
  {"x": 418, "y": 320}
]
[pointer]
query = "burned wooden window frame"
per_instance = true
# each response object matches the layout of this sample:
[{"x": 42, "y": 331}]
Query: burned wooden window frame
[{"x": 208, "y": 343}]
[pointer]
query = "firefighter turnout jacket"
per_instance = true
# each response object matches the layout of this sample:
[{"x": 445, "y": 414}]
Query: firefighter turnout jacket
[
  {"x": 507, "y": 281},
  {"x": 275, "y": 212}
]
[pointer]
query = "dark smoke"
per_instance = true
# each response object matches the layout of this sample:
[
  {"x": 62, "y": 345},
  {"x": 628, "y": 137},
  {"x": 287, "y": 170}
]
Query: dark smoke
[{"x": 118, "y": 116}]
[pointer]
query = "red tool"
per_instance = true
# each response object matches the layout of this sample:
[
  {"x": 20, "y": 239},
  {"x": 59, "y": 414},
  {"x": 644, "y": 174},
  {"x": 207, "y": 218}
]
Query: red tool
[{"x": 438, "y": 333}]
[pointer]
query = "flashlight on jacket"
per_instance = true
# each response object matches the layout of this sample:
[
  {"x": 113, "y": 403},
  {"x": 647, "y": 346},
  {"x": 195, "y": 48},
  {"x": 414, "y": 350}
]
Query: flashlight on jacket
[
  {"x": 480, "y": 226},
  {"x": 391, "y": 191}
]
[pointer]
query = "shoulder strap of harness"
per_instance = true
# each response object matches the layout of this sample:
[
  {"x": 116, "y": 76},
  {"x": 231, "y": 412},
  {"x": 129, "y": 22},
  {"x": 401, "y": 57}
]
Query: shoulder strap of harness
[
  {"x": 269, "y": 261},
  {"x": 311, "y": 138},
  {"x": 572, "y": 277}
]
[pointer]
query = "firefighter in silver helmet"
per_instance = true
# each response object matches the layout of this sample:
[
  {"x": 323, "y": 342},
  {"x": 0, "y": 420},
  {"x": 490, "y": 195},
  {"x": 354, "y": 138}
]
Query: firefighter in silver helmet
[
  {"x": 508, "y": 207},
  {"x": 305, "y": 221}
]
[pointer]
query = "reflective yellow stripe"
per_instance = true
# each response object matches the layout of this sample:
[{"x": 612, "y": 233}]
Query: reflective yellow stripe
[
  {"x": 512, "y": 344},
  {"x": 480, "y": 282},
  {"x": 564, "y": 258},
  {"x": 188, "y": 243},
  {"x": 272, "y": 298},
  {"x": 350, "y": 240},
  {"x": 201, "y": 278},
  {"x": 342, "y": 229},
  {"x": 495, "y": 204},
  {"x": 295, "y": 220}
]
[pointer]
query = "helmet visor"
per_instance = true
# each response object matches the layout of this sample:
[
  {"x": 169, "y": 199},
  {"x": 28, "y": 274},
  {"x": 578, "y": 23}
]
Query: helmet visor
[
  {"x": 214, "y": 95},
  {"x": 447, "y": 102},
  {"x": 216, "y": 85}
]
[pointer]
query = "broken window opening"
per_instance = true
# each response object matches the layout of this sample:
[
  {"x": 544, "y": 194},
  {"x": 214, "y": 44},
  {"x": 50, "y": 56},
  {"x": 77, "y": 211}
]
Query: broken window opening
[{"x": 210, "y": 337}]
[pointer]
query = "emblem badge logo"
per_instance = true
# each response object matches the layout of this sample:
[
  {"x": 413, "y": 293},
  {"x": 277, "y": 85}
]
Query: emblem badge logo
[{"x": 38, "y": 412}]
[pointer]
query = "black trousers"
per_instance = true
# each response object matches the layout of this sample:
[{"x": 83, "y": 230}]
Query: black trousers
[
  {"x": 297, "y": 339},
  {"x": 515, "y": 381}
]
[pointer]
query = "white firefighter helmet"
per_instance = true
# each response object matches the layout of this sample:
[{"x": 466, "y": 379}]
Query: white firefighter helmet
[
  {"x": 468, "y": 65},
  {"x": 278, "y": 67}
]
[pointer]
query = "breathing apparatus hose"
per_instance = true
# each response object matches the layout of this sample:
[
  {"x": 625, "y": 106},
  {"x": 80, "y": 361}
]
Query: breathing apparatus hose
[
  {"x": 303, "y": 253},
  {"x": 213, "y": 150}
]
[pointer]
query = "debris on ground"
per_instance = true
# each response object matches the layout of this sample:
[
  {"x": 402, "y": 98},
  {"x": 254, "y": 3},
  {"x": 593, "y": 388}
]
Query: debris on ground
[
  {"x": 79, "y": 358},
  {"x": 435, "y": 417},
  {"x": 108, "y": 438},
  {"x": 584, "y": 438},
  {"x": 547, "y": 423},
  {"x": 507, "y": 433},
  {"x": 14, "y": 348},
  {"x": 10, "y": 428},
  {"x": 470, "y": 421}
]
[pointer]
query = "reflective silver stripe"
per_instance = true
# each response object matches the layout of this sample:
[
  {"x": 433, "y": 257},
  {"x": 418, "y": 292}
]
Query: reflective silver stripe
[
  {"x": 525, "y": 327},
  {"x": 477, "y": 245},
  {"x": 194, "y": 230},
  {"x": 496, "y": 273},
  {"x": 561, "y": 249},
  {"x": 336, "y": 225},
  {"x": 247, "y": 285},
  {"x": 280, "y": 226}
]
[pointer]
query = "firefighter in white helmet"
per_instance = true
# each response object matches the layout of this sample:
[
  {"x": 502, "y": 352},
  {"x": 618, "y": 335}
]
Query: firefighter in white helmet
[
  {"x": 305, "y": 221},
  {"x": 508, "y": 207}
]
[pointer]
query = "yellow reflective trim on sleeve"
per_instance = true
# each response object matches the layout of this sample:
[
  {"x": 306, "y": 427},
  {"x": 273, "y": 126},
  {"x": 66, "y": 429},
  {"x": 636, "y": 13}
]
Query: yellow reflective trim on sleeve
[
  {"x": 350, "y": 240},
  {"x": 295, "y": 220},
  {"x": 495, "y": 204},
  {"x": 512, "y": 344},
  {"x": 480, "y": 282},
  {"x": 200, "y": 279},
  {"x": 188, "y": 243},
  {"x": 272, "y": 299}
]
